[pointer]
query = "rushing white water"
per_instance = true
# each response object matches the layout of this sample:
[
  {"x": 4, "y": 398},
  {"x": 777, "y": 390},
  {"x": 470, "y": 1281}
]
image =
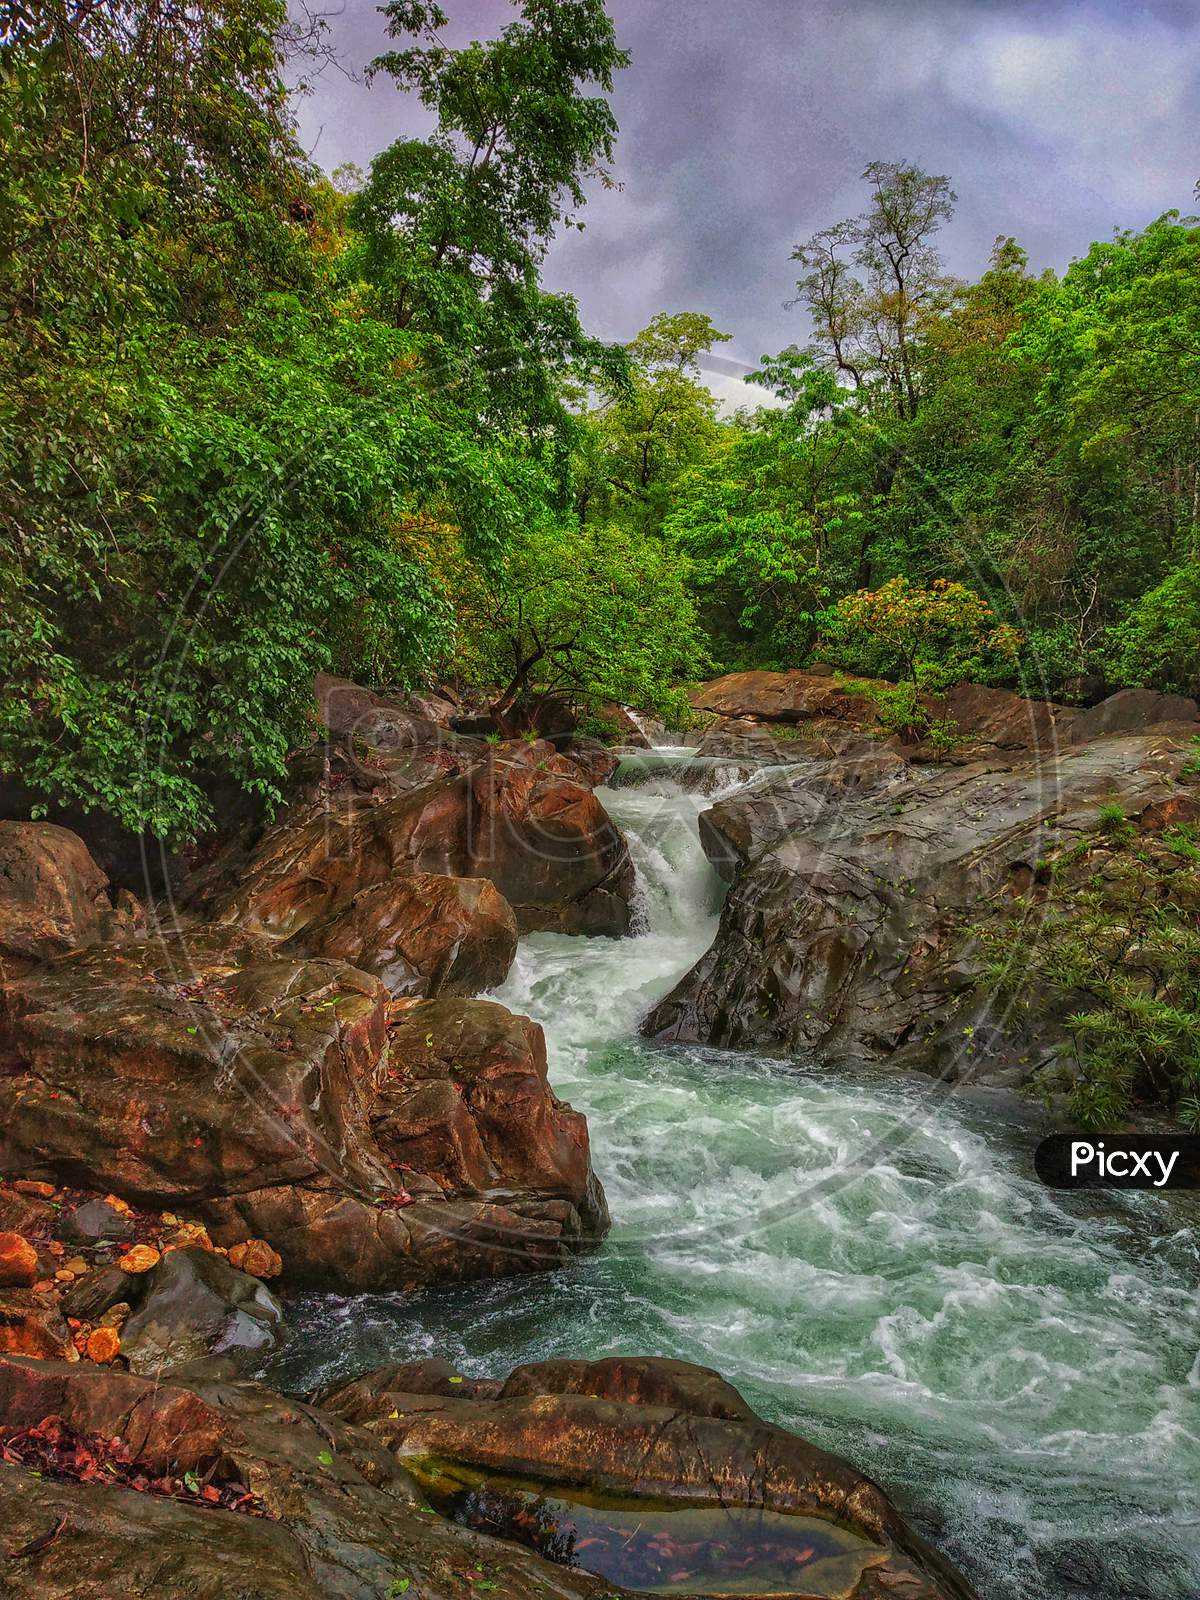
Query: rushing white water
[{"x": 868, "y": 1258}]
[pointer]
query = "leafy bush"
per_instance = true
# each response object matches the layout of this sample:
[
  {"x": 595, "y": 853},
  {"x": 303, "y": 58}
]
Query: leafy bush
[{"x": 1118, "y": 953}]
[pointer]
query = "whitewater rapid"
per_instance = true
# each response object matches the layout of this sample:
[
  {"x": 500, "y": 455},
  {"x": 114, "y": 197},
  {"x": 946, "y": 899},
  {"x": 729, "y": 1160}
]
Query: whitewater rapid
[{"x": 868, "y": 1257}]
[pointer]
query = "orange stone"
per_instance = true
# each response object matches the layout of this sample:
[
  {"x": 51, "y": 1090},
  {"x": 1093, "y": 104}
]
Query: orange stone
[
  {"x": 256, "y": 1257},
  {"x": 44, "y": 1191},
  {"x": 18, "y": 1261},
  {"x": 140, "y": 1259},
  {"x": 103, "y": 1345}
]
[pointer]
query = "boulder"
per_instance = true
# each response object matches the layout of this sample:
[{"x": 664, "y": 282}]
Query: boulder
[
  {"x": 193, "y": 1306},
  {"x": 634, "y": 1431},
  {"x": 467, "y": 1100},
  {"x": 792, "y": 696},
  {"x": 427, "y": 934},
  {"x": 859, "y": 888},
  {"x": 520, "y": 818},
  {"x": 595, "y": 761},
  {"x": 53, "y": 896},
  {"x": 980, "y": 715},
  {"x": 189, "y": 1065},
  {"x": 356, "y": 715},
  {"x": 1008, "y": 721},
  {"x": 1136, "y": 711},
  {"x": 31, "y": 1324},
  {"x": 204, "y": 1072},
  {"x": 327, "y": 1513}
]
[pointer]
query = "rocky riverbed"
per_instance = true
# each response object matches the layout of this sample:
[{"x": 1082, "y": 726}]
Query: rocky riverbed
[{"x": 280, "y": 1079}]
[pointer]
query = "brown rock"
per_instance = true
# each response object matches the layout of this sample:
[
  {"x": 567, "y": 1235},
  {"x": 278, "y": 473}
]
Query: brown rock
[
  {"x": 645, "y": 1430},
  {"x": 427, "y": 934},
  {"x": 470, "y": 1103},
  {"x": 103, "y": 1346},
  {"x": 1135, "y": 711},
  {"x": 45, "y": 1191},
  {"x": 343, "y": 1515},
  {"x": 256, "y": 1257},
  {"x": 190, "y": 1065},
  {"x": 18, "y": 1261},
  {"x": 53, "y": 896},
  {"x": 140, "y": 1258},
  {"x": 32, "y": 1325},
  {"x": 521, "y": 817}
]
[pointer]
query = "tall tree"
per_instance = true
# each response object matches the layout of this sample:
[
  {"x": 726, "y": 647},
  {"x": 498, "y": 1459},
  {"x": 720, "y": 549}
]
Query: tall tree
[
  {"x": 866, "y": 326},
  {"x": 455, "y": 226}
]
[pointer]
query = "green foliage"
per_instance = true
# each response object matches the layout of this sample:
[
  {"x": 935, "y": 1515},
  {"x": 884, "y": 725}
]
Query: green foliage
[
  {"x": 634, "y": 448},
  {"x": 1118, "y": 954},
  {"x": 1157, "y": 643},
  {"x": 583, "y": 614},
  {"x": 218, "y": 431},
  {"x": 931, "y": 638}
]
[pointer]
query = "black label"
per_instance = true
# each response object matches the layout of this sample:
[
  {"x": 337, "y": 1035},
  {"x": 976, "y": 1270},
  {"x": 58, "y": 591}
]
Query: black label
[{"x": 1119, "y": 1161}]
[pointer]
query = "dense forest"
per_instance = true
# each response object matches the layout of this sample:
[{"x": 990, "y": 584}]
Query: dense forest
[{"x": 259, "y": 422}]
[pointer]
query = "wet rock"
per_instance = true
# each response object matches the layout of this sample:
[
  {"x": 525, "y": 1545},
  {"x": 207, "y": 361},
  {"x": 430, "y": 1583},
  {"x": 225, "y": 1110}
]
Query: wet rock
[
  {"x": 95, "y": 1220},
  {"x": 18, "y": 1262},
  {"x": 342, "y": 1517},
  {"x": 206, "y": 1074},
  {"x": 594, "y": 760},
  {"x": 521, "y": 818},
  {"x": 31, "y": 1324},
  {"x": 196, "y": 1305},
  {"x": 859, "y": 887},
  {"x": 187, "y": 1066},
  {"x": 636, "y": 730},
  {"x": 92, "y": 1297},
  {"x": 643, "y": 1430},
  {"x": 256, "y": 1257},
  {"x": 469, "y": 1102},
  {"x": 422, "y": 935},
  {"x": 53, "y": 896},
  {"x": 633, "y": 1380}
]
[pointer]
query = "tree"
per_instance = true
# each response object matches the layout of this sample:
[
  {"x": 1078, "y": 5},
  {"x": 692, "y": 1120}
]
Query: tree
[
  {"x": 210, "y": 441},
  {"x": 866, "y": 327},
  {"x": 583, "y": 615},
  {"x": 453, "y": 228},
  {"x": 634, "y": 447}
]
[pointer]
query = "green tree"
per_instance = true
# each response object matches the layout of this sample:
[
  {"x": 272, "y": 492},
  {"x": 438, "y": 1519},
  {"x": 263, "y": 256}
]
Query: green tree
[
  {"x": 453, "y": 228},
  {"x": 635, "y": 446},
  {"x": 581, "y": 614}
]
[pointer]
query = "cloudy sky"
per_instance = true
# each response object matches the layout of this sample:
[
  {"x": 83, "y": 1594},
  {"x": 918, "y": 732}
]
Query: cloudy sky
[{"x": 745, "y": 125}]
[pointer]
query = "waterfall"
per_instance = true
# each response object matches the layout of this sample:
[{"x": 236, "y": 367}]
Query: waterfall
[{"x": 1018, "y": 1367}]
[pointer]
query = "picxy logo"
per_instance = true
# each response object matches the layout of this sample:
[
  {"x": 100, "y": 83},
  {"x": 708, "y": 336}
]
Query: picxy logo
[{"x": 1119, "y": 1161}]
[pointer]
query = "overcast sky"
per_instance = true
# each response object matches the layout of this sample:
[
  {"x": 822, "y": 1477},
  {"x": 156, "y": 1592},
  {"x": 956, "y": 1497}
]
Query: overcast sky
[{"x": 745, "y": 125}]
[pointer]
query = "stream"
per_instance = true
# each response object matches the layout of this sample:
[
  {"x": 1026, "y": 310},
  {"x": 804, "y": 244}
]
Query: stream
[{"x": 868, "y": 1258}]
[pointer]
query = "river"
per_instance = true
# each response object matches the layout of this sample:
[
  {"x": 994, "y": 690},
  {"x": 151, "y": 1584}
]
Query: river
[{"x": 868, "y": 1257}]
